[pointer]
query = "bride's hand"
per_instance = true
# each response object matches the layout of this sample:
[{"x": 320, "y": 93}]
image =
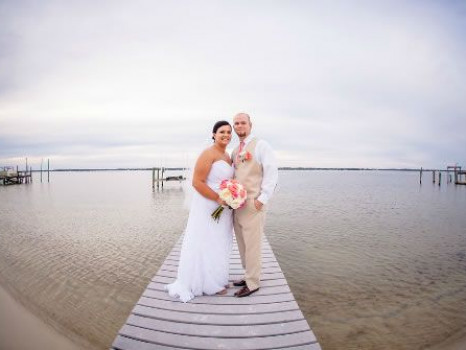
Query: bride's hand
[{"x": 221, "y": 201}]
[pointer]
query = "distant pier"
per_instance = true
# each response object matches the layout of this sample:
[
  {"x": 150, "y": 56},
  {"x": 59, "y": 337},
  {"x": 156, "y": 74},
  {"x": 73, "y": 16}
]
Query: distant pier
[
  {"x": 458, "y": 178},
  {"x": 12, "y": 176},
  {"x": 459, "y": 175},
  {"x": 158, "y": 177}
]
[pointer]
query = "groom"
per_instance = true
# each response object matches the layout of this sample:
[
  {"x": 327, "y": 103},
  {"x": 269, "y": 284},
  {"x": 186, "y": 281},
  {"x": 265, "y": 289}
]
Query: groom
[{"x": 256, "y": 169}]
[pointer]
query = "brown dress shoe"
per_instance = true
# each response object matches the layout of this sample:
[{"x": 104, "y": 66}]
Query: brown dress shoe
[
  {"x": 240, "y": 283},
  {"x": 245, "y": 291}
]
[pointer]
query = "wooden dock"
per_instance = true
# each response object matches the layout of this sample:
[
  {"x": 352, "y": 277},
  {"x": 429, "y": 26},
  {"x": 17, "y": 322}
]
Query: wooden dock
[
  {"x": 158, "y": 177},
  {"x": 458, "y": 173},
  {"x": 268, "y": 319},
  {"x": 11, "y": 177}
]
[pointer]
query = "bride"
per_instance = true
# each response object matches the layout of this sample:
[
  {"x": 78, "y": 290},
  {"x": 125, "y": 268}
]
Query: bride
[{"x": 205, "y": 252}]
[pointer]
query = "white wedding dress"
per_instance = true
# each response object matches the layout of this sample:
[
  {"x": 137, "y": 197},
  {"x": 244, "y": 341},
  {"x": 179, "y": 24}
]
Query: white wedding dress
[{"x": 205, "y": 252}]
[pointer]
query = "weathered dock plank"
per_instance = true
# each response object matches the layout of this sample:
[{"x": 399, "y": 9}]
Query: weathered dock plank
[
  {"x": 268, "y": 319},
  {"x": 208, "y": 330},
  {"x": 206, "y": 343},
  {"x": 283, "y": 312},
  {"x": 222, "y": 309}
]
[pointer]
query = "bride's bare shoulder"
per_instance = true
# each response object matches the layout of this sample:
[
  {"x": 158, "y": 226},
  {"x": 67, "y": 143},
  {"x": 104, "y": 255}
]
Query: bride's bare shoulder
[{"x": 207, "y": 156}]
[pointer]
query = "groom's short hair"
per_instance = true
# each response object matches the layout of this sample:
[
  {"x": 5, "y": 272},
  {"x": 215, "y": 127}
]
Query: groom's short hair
[{"x": 245, "y": 114}]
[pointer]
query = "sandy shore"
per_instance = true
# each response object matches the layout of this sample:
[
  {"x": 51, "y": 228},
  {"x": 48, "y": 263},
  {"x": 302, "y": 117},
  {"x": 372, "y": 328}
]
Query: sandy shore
[{"x": 21, "y": 330}]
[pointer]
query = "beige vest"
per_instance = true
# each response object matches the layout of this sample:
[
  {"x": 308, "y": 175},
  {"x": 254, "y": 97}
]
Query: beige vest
[{"x": 249, "y": 172}]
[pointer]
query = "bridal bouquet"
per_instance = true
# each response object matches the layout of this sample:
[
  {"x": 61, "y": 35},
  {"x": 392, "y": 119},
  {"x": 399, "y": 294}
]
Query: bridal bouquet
[{"x": 233, "y": 193}]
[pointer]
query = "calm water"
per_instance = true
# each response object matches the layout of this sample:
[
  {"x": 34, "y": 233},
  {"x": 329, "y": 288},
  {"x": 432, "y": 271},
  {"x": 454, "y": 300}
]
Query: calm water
[{"x": 375, "y": 260}]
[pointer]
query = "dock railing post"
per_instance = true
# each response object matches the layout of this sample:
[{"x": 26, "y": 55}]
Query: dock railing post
[
  {"x": 433, "y": 176},
  {"x": 420, "y": 176},
  {"x": 439, "y": 177},
  {"x": 48, "y": 170}
]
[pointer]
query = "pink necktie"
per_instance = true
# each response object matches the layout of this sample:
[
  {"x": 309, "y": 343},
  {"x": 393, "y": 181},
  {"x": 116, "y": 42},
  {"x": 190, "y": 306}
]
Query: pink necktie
[{"x": 241, "y": 145}]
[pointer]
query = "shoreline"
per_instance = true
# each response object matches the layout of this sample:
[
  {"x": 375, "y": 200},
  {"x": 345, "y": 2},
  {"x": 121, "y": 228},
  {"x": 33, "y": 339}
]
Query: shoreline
[{"x": 20, "y": 329}]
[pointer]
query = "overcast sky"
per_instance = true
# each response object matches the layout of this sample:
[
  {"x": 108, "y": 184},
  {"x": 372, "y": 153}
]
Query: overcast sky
[{"x": 92, "y": 84}]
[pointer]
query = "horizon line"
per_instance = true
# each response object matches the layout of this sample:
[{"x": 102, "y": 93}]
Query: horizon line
[{"x": 279, "y": 168}]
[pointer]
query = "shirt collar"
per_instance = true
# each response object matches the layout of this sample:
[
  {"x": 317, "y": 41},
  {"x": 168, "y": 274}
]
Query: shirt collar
[{"x": 248, "y": 139}]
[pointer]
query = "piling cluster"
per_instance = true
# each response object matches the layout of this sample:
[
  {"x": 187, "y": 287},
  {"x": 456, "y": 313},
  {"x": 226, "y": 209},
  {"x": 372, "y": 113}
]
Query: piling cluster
[{"x": 453, "y": 173}]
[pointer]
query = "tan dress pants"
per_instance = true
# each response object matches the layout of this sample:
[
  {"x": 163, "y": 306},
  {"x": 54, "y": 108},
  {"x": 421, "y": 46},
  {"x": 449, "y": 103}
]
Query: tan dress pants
[{"x": 249, "y": 229}]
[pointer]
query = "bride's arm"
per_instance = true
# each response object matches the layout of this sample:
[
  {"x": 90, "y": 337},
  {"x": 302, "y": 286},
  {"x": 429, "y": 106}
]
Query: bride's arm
[{"x": 201, "y": 171}]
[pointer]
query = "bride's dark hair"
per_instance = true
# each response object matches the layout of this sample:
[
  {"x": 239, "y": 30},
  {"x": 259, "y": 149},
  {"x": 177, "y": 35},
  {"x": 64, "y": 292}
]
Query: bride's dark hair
[{"x": 218, "y": 125}]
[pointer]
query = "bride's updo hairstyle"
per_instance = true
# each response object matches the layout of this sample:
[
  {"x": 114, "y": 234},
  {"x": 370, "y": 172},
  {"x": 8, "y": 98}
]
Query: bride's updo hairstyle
[{"x": 218, "y": 125}]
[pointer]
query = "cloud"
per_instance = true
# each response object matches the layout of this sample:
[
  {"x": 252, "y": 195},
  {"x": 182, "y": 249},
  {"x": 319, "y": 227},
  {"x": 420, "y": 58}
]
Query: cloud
[{"x": 328, "y": 84}]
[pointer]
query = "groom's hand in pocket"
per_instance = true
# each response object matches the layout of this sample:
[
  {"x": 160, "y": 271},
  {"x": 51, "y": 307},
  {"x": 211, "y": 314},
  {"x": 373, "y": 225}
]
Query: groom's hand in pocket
[{"x": 258, "y": 204}]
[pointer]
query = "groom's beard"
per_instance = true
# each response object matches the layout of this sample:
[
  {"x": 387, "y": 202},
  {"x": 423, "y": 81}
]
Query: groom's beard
[{"x": 242, "y": 134}]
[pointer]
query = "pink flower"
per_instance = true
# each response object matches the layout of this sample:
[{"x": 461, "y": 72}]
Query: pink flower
[
  {"x": 234, "y": 195},
  {"x": 245, "y": 156}
]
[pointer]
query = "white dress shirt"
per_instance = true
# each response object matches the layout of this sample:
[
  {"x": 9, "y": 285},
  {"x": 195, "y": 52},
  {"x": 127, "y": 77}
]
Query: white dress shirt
[{"x": 266, "y": 158}]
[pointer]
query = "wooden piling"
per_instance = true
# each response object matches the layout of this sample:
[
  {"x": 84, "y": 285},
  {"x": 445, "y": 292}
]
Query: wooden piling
[
  {"x": 439, "y": 177},
  {"x": 153, "y": 178},
  {"x": 420, "y": 176},
  {"x": 163, "y": 170},
  {"x": 48, "y": 170},
  {"x": 433, "y": 176}
]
